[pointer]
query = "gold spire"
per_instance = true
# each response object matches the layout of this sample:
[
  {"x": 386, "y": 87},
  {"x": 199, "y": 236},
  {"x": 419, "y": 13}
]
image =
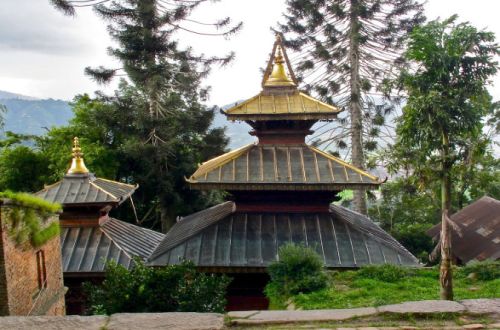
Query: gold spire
[
  {"x": 278, "y": 76},
  {"x": 77, "y": 164}
]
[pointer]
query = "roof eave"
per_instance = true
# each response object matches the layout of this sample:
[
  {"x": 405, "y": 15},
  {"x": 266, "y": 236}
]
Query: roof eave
[
  {"x": 279, "y": 186},
  {"x": 323, "y": 116}
]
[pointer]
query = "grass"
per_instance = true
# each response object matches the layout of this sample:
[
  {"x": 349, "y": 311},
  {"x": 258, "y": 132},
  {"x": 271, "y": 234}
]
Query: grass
[{"x": 350, "y": 289}]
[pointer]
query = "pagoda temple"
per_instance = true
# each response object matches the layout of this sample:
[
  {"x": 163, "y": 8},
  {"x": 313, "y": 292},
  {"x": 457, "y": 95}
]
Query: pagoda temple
[
  {"x": 89, "y": 236},
  {"x": 281, "y": 191}
]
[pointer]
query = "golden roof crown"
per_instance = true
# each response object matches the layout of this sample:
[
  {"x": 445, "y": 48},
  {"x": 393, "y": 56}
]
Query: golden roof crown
[
  {"x": 77, "y": 163},
  {"x": 276, "y": 73}
]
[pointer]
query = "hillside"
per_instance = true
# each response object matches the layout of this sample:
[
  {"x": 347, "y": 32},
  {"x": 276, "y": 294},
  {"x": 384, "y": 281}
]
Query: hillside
[
  {"x": 32, "y": 116},
  {"x": 29, "y": 115}
]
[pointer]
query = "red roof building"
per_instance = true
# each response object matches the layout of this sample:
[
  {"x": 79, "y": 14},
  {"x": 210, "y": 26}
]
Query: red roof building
[{"x": 479, "y": 225}]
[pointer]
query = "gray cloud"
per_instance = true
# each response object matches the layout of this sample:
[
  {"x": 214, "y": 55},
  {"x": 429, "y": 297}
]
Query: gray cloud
[{"x": 35, "y": 26}]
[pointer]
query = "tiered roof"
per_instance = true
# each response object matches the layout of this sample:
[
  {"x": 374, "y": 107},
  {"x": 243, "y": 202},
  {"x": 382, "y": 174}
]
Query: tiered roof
[
  {"x": 279, "y": 167},
  {"x": 79, "y": 186},
  {"x": 245, "y": 235},
  {"x": 87, "y": 241},
  {"x": 86, "y": 249},
  {"x": 222, "y": 237},
  {"x": 280, "y": 99}
]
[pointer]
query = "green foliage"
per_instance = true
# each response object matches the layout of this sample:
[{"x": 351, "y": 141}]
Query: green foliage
[
  {"x": 22, "y": 168},
  {"x": 31, "y": 201},
  {"x": 484, "y": 271},
  {"x": 385, "y": 273},
  {"x": 398, "y": 207},
  {"x": 350, "y": 289},
  {"x": 447, "y": 95},
  {"x": 299, "y": 269},
  {"x": 175, "y": 288},
  {"x": 27, "y": 216}
]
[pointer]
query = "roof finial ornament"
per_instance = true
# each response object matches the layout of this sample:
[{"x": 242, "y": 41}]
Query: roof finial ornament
[
  {"x": 275, "y": 75},
  {"x": 77, "y": 163}
]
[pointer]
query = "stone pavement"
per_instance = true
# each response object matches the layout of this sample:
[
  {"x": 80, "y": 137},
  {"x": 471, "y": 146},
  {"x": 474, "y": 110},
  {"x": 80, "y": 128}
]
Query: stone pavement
[
  {"x": 470, "y": 306},
  {"x": 261, "y": 319},
  {"x": 140, "y": 321}
]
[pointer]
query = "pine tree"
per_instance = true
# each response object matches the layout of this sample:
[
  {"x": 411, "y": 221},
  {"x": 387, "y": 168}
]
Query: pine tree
[
  {"x": 156, "y": 113},
  {"x": 346, "y": 49}
]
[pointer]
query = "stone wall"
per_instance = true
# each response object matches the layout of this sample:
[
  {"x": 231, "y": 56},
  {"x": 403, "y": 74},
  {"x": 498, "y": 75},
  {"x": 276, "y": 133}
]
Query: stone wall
[{"x": 22, "y": 289}]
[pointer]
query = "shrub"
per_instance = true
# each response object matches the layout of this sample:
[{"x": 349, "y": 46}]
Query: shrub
[
  {"x": 299, "y": 270},
  {"x": 175, "y": 288},
  {"x": 485, "y": 270},
  {"x": 385, "y": 273}
]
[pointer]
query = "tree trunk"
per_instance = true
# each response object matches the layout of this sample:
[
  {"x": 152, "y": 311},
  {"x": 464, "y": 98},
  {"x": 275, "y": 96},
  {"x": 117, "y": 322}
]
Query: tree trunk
[
  {"x": 445, "y": 271},
  {"x": 355, "y": 105},
  {"x": 167, "y": 219}
]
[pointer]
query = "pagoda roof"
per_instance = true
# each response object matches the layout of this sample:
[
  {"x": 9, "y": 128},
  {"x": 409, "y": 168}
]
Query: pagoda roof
[
  {"x": 222, "y": 237},
  {"x": 279, "y": 167},
  {"x": 280, "y": 98},
  {"x": 88, "y": 248},
  {"x": 76, "y": 189},
  {"x": 295, "y": 105}
]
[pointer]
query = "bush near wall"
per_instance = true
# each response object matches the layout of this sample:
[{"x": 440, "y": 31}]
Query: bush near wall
[
  {"x": 299, "y": 270},
  {"x": 143, "y": 289}
]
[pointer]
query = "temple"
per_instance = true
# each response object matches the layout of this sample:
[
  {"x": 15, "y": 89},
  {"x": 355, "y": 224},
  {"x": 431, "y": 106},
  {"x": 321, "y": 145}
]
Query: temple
[
  {"x": 281, "y": 191},
  {"x": 89, "y": 236}
]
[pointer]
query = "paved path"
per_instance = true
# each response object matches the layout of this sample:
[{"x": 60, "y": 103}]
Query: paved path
[
  {"x": 471, "y": 306},
  {"x": 140, "y": 321},
  {"x": 212, "y": 321}
]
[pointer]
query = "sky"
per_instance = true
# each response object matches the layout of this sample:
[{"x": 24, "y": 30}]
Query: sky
[{"x": 43, "y": 53}]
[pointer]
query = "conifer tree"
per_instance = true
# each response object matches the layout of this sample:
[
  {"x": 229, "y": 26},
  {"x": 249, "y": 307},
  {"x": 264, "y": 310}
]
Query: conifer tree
[
  {"x": 156, "y": 114},
  {"x": 346, "y": 49}
]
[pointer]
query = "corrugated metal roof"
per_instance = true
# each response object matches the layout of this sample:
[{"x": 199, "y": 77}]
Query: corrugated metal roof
[
  {"x": 134, "y": 240},
  {"x": 284, "y": 106},
  {"x": 86, "y": 189},
  {"x": 263, "y": 167},
  {"x": 86, "y": 249},
  {"x": 224, "y": 238},
  {"x": 480, "y": 226}
]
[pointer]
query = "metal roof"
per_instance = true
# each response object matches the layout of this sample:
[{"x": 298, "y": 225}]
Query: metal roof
[
  {"x": 86, "y": 189},
  {"x": 221, "y": 237},
  {"x": 86, "y": 249},
  {"x": 279, "y": 167},
  {"x": 479, "y": 223},
  {"x": 293, "y": 105}
]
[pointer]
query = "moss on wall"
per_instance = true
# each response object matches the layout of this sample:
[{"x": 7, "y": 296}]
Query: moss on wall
[{"x": 27, "y": 219}]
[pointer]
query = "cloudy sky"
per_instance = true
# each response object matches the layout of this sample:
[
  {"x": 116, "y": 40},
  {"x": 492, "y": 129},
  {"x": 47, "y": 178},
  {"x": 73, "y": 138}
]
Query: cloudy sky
[{"x": 43, "y": 53}]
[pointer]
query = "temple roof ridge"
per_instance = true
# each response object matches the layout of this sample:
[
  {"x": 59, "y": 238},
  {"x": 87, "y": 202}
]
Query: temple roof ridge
[
  {"x": 280, "y": 98},
  {"x": 280, "y": 167},
  {"x": 79, "y": 186}
]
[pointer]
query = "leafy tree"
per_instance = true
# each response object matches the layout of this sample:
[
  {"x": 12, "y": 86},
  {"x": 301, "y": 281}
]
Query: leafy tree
[
  {"x": 401, "y": 202},
  {"x": 22, "y": 169},
  {"x": 143, "y": 289},
  {"x": 155, "y": 123},
  {"x": 346, "y": 48},
  {"x": 112, "y": 133},
  {"x": 447, "y": 102}
]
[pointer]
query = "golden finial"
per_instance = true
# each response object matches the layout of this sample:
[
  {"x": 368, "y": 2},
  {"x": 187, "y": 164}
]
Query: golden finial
[
  {"x": 77, "y": 164},
  {"x": 278, "y": 76}
]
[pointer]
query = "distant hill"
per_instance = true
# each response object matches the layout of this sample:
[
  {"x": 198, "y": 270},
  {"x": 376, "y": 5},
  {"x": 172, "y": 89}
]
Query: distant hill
[
  {"x": 29, "y": 115},
  {"x": 9, "y": 95},
  {"x": 34, "y": 116},
  {"x": 237, "y": 131}
]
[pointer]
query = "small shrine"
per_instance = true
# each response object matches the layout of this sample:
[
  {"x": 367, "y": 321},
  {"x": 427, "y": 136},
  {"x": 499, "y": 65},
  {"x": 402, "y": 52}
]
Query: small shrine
[
  {"x": 89, "y": 236},
  {"x": 281, "y": 191}
]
